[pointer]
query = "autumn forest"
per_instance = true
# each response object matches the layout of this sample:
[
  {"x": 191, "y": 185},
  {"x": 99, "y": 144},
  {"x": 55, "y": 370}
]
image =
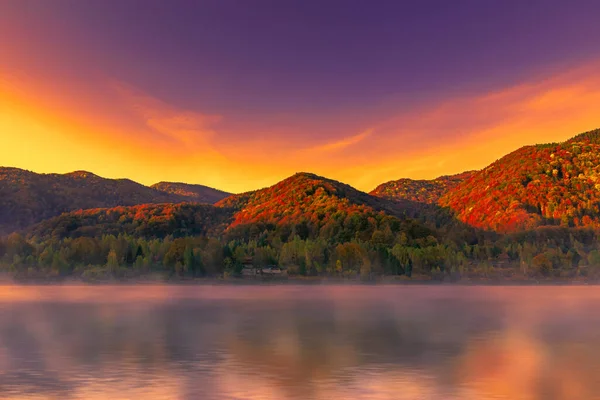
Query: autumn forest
[{"x": 533, "y": 215}]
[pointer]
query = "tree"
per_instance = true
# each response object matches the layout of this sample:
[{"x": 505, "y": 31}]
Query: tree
[
  {"x": 594, "y": 258},
  {"x": 129, "y": 256},
  {"x": 542, "y": 264},
  {"x": 401, "y": 254},
  {"x": 59, "y": 264},
  {"x": 378, "y": 237},
  {"x": 139, "y": 263},
  {"x": 189, "y": 263},
  {"x": 175, "y": 253},
  {"x": 46, "y": 257},
  {"x": 112, "y": 262},
  {"x": 213, "y": 255},
  {"x": 17, "y": 245},
  {"x": 365, "y": 269}
]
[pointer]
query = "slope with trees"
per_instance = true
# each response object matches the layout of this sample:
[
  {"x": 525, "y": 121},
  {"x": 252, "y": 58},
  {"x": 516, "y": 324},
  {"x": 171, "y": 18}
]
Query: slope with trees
[
  {"x": 313, "y": 206},
  {"x": 193, "y": 193},
  {"x": 550, "y": 184},
  {"x": 542, "y": 201},
  {"x": 422, "y": 191},
  {"x": 143, "y": 221},
  {"x": 27, "y": 197}
]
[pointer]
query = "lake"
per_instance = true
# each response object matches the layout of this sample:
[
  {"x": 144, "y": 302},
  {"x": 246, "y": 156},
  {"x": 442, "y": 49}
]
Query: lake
[{"x": 299, "y": 342}]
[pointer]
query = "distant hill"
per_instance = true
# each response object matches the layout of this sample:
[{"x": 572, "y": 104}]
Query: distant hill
[
  {"x": 305, "y": 205},
  {"x": 195, "y": 193},
  {"x": 550, "y": 184},
  {"x": 423, "y": 191},
  {"x": 319, "y": 207},
  {"x": 542, "y": 185},
  {"x": 27, "y": 197}
]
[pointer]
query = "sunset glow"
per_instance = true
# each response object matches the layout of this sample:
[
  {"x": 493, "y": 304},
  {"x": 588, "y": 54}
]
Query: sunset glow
[
  {"x": 299, "y": 199},
  {"x": 81, "y": 111}
]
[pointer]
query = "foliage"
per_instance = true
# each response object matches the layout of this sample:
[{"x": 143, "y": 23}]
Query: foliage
[
  {"x": 27, "y": 197},
  {"x": 423, "y": 191},
  {"x": 557, "y": 184},
  {"x": 147, "y": 221},
  {"x": 195, "y": 193},
  {"x": 542, "y": 201},
  {"x": 544, "y": 253},
  {"x": 315, "y": 207}
]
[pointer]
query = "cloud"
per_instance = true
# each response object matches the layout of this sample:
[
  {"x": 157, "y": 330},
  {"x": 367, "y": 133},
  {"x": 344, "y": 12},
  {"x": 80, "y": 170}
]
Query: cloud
[
  {"x": 182, "y": 127},
  {"x": 117, "y": 130},
  {"x": 470, "y": 132},
  {"x": 342, "y": 143}
]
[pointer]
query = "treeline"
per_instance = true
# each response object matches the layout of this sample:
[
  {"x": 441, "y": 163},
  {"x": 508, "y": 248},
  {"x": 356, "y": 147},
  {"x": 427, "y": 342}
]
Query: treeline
[
  {"x": 145, "y": 220},
  {"x": 543, "y": 253}
]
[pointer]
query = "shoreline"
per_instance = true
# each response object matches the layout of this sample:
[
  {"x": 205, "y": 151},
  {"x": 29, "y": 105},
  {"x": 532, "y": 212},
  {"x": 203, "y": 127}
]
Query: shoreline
[{"x": 309, "y": 281}]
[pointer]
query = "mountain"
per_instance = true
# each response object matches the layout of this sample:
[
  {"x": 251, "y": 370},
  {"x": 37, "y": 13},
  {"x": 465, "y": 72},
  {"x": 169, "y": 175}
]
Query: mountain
[
  {"x": 549, "y": 184},
  {"x": 195, "y": 193},
  {"x": 319, "y": 207},
  {"x": 422, "y": 191},
  {"x": 146, "y": 220},
  {"x": 27, "y": 197},
  {"x": 301, "y": 196},
  {"x": 305, "y": 205},
  {"x": 540, "y": 185}
]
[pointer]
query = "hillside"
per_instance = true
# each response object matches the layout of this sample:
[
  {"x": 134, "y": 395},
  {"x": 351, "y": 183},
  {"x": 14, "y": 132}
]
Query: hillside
[
  {"x": 319, "y": 207},
  {"x": 550, "y": 184},
  {"x": 422, "y": 191},
  {"x": 305, "y": 205},
  {"x": 27, "y": 197},
  {"x": 145, "y": 221},
  {"x": 301, "y": 196},
  {"x": 194, "y": 193}
]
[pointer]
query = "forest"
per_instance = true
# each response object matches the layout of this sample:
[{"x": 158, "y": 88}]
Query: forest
[
  {"x": 532, "y": 215},
  {"x": 382, "y": 250}
]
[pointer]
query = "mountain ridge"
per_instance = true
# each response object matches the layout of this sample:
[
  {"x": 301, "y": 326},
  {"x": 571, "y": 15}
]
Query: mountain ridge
[
  {"x": 27, "y": 197},
  {"x": 304, "y": 204},
  {"x": 533, "y": 186}
]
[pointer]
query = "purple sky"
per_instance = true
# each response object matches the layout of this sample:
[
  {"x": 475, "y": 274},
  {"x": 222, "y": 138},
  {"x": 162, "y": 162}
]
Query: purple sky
[
  {"x": 301, "y": 69},
  {"x": 306, "y": 57}
]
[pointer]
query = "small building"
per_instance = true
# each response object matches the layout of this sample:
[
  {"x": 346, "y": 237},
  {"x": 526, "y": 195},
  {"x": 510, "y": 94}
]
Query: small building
[
  {"x": 271, "y": 270},
  {"x": 248, "y": 268},
  {"x": 249, "y": 271}
]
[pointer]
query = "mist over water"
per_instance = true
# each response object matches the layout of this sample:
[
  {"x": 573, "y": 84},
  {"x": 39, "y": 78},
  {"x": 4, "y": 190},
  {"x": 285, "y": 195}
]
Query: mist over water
[{"x": 299, "y": 342}]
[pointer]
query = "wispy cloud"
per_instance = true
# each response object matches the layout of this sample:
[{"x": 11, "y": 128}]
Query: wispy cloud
[
  {"x": 471, "y": 132},
  {"x": 342, "y": 143},
  {"x": 122, "y": 131},
  {"x": 184, "y": 127}
]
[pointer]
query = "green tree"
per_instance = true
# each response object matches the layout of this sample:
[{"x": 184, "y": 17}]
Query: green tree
[
  {"x": 189, "y": 262},
  {"x": 112, "y": 262},
  {"x": 139, "y": 263}
]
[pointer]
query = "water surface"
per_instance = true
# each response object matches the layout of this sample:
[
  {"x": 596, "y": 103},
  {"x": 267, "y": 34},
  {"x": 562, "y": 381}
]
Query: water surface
[{"x": 299, "y": 342}]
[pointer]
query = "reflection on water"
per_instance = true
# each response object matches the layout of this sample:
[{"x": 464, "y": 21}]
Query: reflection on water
[{"x": 294, "y": 342}]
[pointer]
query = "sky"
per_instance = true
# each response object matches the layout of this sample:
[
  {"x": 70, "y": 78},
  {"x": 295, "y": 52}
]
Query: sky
[{"x": 238, "y": 95}]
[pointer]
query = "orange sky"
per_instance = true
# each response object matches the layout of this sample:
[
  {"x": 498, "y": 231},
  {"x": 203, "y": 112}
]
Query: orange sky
[
  {"x": 240, "y": 97},
  {"x": 123, "y": 132}
]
